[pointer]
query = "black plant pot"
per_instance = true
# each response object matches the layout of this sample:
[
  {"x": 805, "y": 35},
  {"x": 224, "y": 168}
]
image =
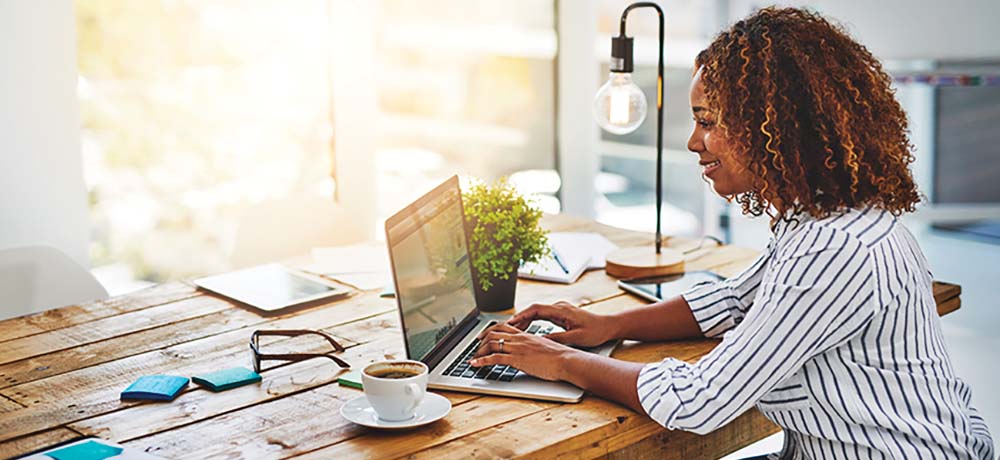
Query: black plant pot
[{"x": 500, "y": 296}]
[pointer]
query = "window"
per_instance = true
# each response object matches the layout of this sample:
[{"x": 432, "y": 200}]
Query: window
[
  {"x": 463, "y": 86},
  {"x": 193, "y": 111}
]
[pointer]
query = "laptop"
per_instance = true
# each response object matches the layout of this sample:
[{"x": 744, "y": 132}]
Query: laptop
[{"x": 429, "y": 254}]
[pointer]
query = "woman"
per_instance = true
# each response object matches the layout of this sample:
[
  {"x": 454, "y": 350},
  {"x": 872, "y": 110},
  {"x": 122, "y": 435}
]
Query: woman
[{"x": 833, "y": 332}]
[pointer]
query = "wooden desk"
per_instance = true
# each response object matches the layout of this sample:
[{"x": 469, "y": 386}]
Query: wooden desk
[{"x": 61, "y": 372}]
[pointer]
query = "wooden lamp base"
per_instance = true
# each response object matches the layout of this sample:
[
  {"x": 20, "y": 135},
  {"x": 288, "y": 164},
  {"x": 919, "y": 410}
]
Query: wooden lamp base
[{"x": 644, "y": 262}]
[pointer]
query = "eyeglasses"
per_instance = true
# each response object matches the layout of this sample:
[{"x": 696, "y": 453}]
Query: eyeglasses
[{"x": 258, "y": 356}]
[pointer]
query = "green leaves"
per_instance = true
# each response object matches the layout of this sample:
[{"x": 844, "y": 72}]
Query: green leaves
[{"x": 504, "y": 231}]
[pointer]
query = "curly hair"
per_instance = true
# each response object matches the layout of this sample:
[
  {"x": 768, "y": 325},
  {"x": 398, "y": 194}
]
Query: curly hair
[{"x": 812, "y": 115}]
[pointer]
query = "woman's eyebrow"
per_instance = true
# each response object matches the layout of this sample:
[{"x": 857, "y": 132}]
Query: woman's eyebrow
[{"x": 699, "y": 108}]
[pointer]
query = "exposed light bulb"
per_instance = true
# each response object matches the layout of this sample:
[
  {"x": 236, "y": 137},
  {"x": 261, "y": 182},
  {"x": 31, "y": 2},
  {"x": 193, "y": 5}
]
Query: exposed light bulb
[{"x": 620, "y": 106}]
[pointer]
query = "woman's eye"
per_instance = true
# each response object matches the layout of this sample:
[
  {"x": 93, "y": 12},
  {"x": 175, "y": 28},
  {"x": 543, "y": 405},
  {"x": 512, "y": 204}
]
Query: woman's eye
[{"x": 703, "y": 123}]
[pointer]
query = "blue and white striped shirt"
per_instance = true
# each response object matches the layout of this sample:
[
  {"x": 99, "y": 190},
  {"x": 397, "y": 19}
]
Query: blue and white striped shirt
[{"x": 833, "y": 334}]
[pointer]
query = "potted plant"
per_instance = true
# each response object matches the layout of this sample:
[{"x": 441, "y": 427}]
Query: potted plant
[{"x": 503, "y": 233}]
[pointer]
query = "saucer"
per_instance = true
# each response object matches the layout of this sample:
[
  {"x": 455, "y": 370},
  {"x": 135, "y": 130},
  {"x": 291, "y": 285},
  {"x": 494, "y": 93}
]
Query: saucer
[{"x": 433, "y": 408}]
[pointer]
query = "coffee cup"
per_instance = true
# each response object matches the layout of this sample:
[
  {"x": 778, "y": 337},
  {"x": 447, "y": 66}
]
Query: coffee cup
[{"x": 395, "y": 388}]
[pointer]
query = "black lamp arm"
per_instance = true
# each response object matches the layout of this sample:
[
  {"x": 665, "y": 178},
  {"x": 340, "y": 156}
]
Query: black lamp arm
[{"x": 621, "y": 48}]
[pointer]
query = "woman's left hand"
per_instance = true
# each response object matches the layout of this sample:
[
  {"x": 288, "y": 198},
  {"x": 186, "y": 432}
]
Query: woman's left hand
[{"x": 533, "y": 354}]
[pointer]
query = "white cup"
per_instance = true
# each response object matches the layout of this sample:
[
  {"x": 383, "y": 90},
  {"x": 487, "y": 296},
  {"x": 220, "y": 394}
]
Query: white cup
[{"x": 395, "y": 399}]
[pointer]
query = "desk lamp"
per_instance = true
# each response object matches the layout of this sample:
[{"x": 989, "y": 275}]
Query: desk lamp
[{"x": 619, "y": 108}]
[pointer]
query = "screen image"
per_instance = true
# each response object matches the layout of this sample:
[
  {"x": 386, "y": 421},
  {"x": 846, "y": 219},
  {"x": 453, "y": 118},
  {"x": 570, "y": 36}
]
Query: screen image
[{"x": 433, "y": 276}]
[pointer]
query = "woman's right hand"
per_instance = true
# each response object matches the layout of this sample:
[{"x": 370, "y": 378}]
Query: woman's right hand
[{"x": 582, "y": 328}]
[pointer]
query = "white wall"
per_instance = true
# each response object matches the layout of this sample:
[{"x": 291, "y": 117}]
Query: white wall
[
  {"x": 908, "y": 29},
  {"x": 42, "y": 194}
]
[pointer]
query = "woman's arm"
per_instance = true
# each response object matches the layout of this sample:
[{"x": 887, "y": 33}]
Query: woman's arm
[
  {"x": 670, "y": 319},
  {"x": 547, "y": 359},
  {"x": 608, "y": 378}
]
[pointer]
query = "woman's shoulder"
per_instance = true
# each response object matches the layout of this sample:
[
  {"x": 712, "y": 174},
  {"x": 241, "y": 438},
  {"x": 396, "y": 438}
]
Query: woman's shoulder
[{"x": 851, "y": 227}]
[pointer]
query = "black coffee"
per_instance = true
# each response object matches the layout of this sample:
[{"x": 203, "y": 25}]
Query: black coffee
[{"x": 394, "y": 373}]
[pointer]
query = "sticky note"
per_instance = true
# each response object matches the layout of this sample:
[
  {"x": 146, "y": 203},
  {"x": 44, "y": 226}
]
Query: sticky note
[
  {"x": 227, "y": 378},
  {"x": 155, "y": 387},
  {"x": 89, "y": 450},
  {"x": 351, "y": 379}
]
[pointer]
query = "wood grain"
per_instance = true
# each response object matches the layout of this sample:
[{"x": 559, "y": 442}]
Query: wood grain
[
  {"x": 466, "y": 418},
  {"x": 106, "y": 328},
  {"x": 8, "y": 405},
  {"x": 746, "y": 429},
  {"x": 22, "y": 445},
  {"x": 70, "y": 359},
  {"x": 57, "y": 318},
  {"x": 94, "y": 390},
  {"x": 197, "y": 405}
]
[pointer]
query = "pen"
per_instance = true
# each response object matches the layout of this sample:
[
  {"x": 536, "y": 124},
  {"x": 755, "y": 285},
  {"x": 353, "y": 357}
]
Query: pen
[{"x": 555, "y": 255}]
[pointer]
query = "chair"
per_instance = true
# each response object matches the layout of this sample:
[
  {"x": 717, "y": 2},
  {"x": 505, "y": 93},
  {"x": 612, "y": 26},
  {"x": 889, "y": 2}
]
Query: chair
[
  {"x": 36, "y": 278},
  {"x": 280, "y": 229}
]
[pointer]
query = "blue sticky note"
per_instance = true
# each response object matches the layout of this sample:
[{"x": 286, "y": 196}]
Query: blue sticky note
[
  {"x": 227, "y": 378},
  {"x": 155, "y": 388},
  {"x": 90, "y": 450}
]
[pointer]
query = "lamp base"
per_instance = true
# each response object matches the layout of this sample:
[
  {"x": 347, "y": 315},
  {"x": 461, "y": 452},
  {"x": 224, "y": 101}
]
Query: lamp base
[{"x": 644, "y": 262}]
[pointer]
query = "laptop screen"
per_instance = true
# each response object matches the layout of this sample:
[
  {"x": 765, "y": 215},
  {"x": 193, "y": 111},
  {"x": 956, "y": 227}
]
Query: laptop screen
[{"x": 430, "y": 263}]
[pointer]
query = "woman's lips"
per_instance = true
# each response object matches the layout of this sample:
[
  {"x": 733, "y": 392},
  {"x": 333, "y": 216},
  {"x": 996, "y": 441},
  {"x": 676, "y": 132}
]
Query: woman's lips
[{"x": 710, "y": 167}]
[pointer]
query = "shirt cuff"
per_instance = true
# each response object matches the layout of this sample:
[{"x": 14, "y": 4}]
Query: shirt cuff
[
  {"x": 656, "y": 395},
  {"x": 712, "y": 305}
]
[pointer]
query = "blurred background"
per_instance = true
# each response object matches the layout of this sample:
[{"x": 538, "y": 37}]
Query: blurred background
[{"x": 161, "y": 126}]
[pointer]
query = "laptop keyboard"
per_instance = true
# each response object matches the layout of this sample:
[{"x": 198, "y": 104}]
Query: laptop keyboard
[{"x": 461, "y": 368}]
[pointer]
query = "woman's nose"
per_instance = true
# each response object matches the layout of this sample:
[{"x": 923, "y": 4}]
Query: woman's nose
[{"x": 695, "y": 143}]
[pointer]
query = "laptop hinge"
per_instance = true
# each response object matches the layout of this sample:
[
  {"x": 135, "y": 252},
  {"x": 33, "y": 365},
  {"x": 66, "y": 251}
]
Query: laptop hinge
[{"x": 451, "y": 340}]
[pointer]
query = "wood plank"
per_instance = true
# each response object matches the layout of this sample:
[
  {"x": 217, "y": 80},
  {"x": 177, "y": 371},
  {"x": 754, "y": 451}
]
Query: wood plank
[
  {"x": 465, "y": 419},
  {"x": 106, "y": 328},
  {"x": 193, "y": 406},
  {"x": 94, "y": 390},
  {"x": 58, "y": 318},
  {"x": 62, "y": 361},
  {"x": 588, "y": 430},
  {"x": 23, "y": 445},
  {"x": 746, "y": 429},
  {"x": 949, "y": 306},
  {"x": 287, "y": 426},
  {"x": 944, "y": 291},
  {"x": 8, "y": 405}
]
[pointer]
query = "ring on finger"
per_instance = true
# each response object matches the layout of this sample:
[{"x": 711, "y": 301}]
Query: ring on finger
[{"x": 501, "y": 345}]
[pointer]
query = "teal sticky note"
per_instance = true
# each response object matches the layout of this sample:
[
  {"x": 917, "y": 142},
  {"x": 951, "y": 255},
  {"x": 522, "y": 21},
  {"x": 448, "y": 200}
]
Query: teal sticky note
[
  {"x": 227, "y": 378},
  {"x": 90, "y": 450},
  {"x": 155, "y": 388}
]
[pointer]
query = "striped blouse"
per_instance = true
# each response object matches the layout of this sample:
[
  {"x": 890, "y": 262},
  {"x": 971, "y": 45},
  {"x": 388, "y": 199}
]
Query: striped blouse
[{"x": 833, "y": 334}]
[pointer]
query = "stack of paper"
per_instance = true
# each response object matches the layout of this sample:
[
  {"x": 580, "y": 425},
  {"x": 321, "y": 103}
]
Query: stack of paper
[
  {"x": 571, "y": 255},
  {"x": 364, "y": 266}
]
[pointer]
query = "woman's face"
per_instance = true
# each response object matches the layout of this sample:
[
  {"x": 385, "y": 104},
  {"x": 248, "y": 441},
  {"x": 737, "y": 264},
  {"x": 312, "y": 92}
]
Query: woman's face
[{"x": 717, "y": 156}]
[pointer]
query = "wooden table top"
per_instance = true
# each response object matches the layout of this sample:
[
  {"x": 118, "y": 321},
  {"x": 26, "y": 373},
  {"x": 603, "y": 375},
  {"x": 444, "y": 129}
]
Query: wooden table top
[{"x": 61, "y": 372}]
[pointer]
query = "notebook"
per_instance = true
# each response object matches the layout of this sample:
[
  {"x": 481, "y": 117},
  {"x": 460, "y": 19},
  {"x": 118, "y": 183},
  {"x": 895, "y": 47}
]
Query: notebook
[{"x": 577, "y": 252}]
